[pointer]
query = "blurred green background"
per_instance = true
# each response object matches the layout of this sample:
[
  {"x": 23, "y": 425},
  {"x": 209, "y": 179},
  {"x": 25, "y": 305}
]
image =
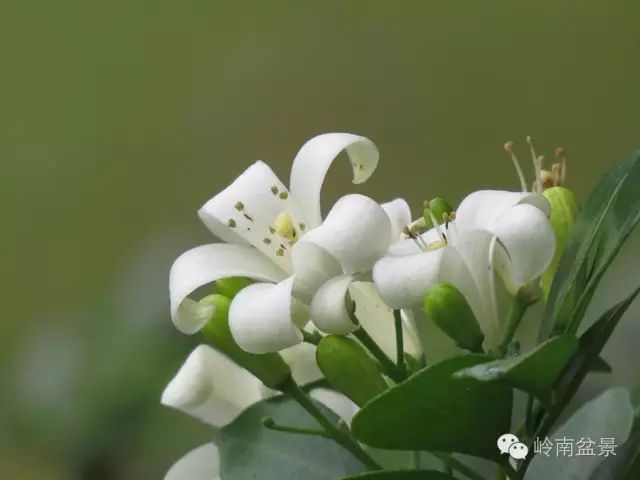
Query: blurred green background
[{"x": 119, "y": 119}]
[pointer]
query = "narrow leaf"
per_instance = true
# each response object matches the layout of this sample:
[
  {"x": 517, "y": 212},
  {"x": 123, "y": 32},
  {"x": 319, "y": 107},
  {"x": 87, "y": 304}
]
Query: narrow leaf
[
  {"x": 608, "y": 217},
  {"x": 435, "y": 411}
]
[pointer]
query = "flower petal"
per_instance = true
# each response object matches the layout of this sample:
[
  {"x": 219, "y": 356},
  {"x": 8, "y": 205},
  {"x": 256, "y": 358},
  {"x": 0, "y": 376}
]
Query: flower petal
[
  {"x": 205, "y": 264},
  {"x": 336, "y": 402},
  {"x": 265, "y": 318},
  {"x": 312, "y": 164},
  {"x": 357, "y": 232},
  {"x": 481, "y": 209},
  {"x": 377, "y": 319},
  {"x": 526, "y": 247},
  {"x": 302, "y": 360},
  {"x": 211, "y": 387},
  {"x": 400, "y": 215},
  {"x": 313, "y": 266},
  {"x": 202, "y": 463},
  {"x": 329, "y": 307},
  {"x": 246, "y": 212},
  {"x": 403, "y": 280}
]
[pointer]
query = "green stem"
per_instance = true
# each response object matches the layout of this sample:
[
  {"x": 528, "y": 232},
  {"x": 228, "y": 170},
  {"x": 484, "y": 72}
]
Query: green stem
[
  {"x": 397, "y": 316},
  {"x": 388, "y": 367},
  {"x": 270, "y": 423},
  {"x": 332, "y": 431},
  {"x": 458, "y": 466},
  {"x": 311, "y": 337},
  {"x": 516, "y": 312}
]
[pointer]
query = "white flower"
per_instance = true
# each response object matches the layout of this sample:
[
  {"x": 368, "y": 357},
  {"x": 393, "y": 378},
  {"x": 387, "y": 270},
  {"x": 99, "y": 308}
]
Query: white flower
[
  {"x": 493, "y": 231},
  {"x": 202, "y": 463},
  {"x": 276, "y": 236}
]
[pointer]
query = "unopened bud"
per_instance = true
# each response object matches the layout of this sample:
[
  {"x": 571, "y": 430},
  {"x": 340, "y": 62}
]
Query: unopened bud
[
  {"x": 438, "y": 207},
  {"x": 451, "y": 312},
  {"x": 564, "y": 208},
  {"x": 270, "y": 368},
  {"x": 349, "y": 369},
  {"x": 230, "y": 286}
]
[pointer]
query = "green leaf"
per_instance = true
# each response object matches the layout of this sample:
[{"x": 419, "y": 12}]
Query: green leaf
[
  {"x": 608, "y": 416},
  {"x": 600, "y": 365},
  {"x": 432, "y": 410},
  {"x": 534, "y": 372},
  {"x": 403, "y": 475},
  {"x": 248, "y": 449},
  {"x": 625, "y": 465},
  {"x": 591, "y": 344},
  {"x": 608, "y": 217}
]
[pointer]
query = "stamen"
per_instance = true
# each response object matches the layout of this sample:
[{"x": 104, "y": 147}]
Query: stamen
[
  {"x": 412, "y": 234},
  {"x": 509, "y": 148},
  {"x": 560, "y": 153},
  {"x": 556, "y": 171},
  {"x": 537, "y": 165}
]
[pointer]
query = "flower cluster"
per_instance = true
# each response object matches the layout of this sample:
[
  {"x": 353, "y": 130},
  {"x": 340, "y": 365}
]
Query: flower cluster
[{"x": 287, "y": 278}]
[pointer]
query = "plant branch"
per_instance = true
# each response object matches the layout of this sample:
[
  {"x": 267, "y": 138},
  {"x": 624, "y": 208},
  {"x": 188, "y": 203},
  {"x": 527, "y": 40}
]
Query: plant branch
[
  {"x": 516, "y": 312},
  {"x": 388, "y": 367},
  {"x": 270, "y": 423},
  {"x": 341, "y": 437},
  {"x": 397, "y": 316}
]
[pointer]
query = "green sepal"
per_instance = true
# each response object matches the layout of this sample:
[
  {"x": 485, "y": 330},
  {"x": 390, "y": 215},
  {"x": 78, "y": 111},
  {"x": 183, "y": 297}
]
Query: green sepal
[
  {"x": 451, "y": 312},
  {"x": 349, "y": 369},
  {"x": 270, "y": 368}
]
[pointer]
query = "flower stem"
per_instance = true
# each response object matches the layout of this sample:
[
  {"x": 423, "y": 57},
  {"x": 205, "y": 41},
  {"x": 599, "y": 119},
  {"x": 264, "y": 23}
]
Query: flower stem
[
  {"x": 516, "y": 312},
  {"x": 458, "y": 466},
  {"x": 341, "y": 437},
  {"x": 311, "y": 337},
  {"x": 397, "y": 316},
  {"x": 388, "y": 367}
]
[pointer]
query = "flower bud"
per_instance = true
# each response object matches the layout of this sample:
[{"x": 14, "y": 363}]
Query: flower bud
[
  {"x": 438, "y": 207},
  {"x": 349, "y": 369},
  {"x": 564, "y": 208},
  {"x": 448, "y": 308},
  {"x": 270, "y": 368},
  {"x": 230, "y": 286}
]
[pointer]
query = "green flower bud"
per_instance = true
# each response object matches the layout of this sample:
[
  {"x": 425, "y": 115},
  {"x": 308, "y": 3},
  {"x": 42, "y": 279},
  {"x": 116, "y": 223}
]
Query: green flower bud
[
  {"x": 230, "y": 286},
  {"x": 349, "y": 368},
  {"x": 564, "y": 208},
  {"x": 448, "y": 308},
  {"x": 438, "y": 207},
  {"x": 270, "y": 368}
]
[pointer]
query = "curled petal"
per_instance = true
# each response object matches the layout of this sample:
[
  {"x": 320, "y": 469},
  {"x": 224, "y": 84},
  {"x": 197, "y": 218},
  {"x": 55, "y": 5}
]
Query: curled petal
[
  {"x": 357, "y": 232},
  {"x": 329, "y": 307},
  {"x": 482, "y": 209},
  {"x": 403, "y": 280},
  {"x": 202, "y": 463},
  {"x": 248, "y": 210},
  {"x": 377, "y": 319},
  {"x": 211, "y": 387},
  {"x": 400, "y": 215},
  {"x": 265, "y": 318},
  {"x": 313, "y": 266},
  {"x": 526, "y": 247},
  {"x": 205, "y": 264},
  {"x": 312, "y": 164}
]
